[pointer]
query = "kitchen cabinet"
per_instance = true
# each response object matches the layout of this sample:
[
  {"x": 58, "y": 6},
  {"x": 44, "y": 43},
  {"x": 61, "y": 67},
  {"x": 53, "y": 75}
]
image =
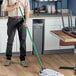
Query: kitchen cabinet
[
  {"x": 28, "y": 41},
  {"x": 16, "y": 46},
  {"x": 50, "y": 41},
  {"x": 3, "y": 37}
]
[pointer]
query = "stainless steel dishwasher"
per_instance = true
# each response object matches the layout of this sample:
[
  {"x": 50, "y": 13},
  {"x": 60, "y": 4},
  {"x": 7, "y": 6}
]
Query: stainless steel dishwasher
[{"x": 38, "y": 35}]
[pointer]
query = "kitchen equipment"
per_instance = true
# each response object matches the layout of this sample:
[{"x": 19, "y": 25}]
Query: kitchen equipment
[
  {"x": 48, "y": 8},
  {"x": 38, "y": 34},
  {"x": 42, "y": 9},
  {"x": 53, "y": 9}
]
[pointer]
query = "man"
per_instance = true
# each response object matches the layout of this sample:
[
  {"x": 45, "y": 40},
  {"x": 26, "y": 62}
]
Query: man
[{"x": 15, "y": 21}]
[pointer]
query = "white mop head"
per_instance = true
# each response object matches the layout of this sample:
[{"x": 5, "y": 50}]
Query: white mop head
[{"x": 49, "y": 72}]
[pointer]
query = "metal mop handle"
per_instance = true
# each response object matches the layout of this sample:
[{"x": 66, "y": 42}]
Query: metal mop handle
[{"x": 31, "y": 40}]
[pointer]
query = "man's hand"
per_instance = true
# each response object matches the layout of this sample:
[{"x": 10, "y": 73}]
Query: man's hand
[
  {"x": 17, "y": 4},
  {"x": 12, "y": 7},
  {"x": 25, "y": 24}
]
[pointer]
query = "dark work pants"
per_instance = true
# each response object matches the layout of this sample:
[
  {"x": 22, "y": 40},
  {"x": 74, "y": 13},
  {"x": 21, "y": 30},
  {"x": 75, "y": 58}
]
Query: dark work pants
[{"x": 12, "y": 25}]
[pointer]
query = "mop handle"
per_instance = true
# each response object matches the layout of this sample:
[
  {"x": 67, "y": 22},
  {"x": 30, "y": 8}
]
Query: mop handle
[{"x": 31, "y": 40}]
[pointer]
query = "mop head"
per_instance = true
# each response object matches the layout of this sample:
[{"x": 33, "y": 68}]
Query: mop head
[{"x": 49, "y": 72}]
